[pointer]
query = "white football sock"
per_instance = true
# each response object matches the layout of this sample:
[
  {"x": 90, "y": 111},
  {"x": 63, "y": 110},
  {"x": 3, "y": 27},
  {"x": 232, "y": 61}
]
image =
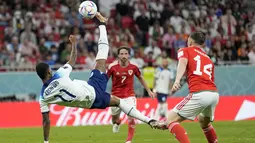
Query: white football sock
[
  {"x": 165, "y": 108},
  {"x": 103, "y": 45},
  {"x": 133, "y": 112},
  {"x": 157, "y": 113},
  {"x": 161, "y": 110}
]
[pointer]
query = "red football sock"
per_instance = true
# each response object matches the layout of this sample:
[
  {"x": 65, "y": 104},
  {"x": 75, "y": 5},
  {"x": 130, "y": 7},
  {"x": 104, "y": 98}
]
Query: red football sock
[
  {"x": 179, "y": 132},
  {"x": 131, "y": 129},
  {"x": 210, "y": 134}
]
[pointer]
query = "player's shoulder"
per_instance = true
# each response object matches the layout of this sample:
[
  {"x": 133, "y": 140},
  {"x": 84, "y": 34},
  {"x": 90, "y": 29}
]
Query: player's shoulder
[
  {"x": 67, "y": 65},
  {"x": 183, "y": 49},
  {"x": 167, "y": 70},
  {"x": 133, "y": 64},
  {"x": 159, "y": 69},
  {"x": 113, "y": 64}
]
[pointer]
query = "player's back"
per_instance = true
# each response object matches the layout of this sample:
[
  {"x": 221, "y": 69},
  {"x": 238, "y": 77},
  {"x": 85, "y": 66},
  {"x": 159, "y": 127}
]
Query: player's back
[
  {"x": 200, "y": 69},
  {"x": 65, "y": 91},
  {"x": 60, "y": 89},
  {"x": 123, "y": 79},
  {"x": 163, "y": 78}
]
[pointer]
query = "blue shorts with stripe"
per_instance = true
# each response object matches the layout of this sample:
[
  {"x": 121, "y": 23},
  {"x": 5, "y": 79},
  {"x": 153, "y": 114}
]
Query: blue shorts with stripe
[{"x": 99, "y": 81}]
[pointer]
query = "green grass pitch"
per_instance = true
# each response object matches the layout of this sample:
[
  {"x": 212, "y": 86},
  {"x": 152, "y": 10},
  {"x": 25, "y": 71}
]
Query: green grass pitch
[{"x": 228, "y": 132}]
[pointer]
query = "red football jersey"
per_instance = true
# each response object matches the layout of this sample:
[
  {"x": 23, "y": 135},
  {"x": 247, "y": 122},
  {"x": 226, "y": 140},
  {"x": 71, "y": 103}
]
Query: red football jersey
[
  {"x": 200, "y": 69},
  {"x": 123, "y": 79}
]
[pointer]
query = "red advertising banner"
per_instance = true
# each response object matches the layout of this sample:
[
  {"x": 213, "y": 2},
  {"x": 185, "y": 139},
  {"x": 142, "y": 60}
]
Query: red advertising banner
[{"x": 23, "y": 114}]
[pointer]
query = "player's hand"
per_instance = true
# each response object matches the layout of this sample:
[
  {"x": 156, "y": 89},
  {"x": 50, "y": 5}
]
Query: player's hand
[
  {"x": 176, "y": 86},
  {"x": 155, "y": 94},
  {"x": 152, "y": 94},
  {"x": 101, "y": 18},
  {"x": 72, "y": 39}
]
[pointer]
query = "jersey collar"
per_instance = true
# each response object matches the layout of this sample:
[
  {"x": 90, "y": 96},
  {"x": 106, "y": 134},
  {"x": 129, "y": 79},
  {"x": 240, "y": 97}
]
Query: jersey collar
[
  {"x": 199, "y": 48},
  {"x": 55, "y": 76}
]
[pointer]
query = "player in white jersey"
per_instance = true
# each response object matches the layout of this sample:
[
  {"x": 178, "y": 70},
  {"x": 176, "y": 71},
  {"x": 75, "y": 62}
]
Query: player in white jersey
[
  {"x": 59, "y": 89},
  {"x": 162, "y": 86}
]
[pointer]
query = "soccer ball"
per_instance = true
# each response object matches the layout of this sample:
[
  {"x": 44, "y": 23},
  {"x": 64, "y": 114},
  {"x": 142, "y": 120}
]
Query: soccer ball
[{"x": 88, "y": 9}]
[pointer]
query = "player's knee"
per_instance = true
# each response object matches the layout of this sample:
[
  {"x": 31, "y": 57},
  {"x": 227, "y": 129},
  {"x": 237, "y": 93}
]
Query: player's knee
[
  {"x": 200, "y": 119},
  {"x": 101, "y": 65},
  {"x": 204, "y": 121},
  {"x": 114, "y": 101},
  {"x": 174, "y": 117}
]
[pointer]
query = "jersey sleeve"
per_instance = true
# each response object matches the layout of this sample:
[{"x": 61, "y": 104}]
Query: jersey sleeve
[
  {"x": 43, "y": 106},
  {"x": 182, "y": 53},
  {"x": 64, "y": 70},
  {"x": 137, "y": 71}
]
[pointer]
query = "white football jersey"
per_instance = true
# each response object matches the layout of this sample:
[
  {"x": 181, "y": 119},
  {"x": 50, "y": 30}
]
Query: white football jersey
[
  {"x": 61, "y": 90},
  {"x": 163, "y": 78}
]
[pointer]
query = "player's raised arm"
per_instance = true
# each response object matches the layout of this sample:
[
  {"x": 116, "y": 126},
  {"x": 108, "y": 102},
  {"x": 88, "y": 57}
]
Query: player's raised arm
[
  {"x": 46, "y": 126},
  {"x": 73, "y": 55}
]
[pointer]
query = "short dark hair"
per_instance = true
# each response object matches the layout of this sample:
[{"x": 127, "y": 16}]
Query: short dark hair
[
  {"x": 41, "y": 69},
  {"x": 124, "y": 47},
  {"x": 198, "y": 37},
  {"x": 150, "y": 64}
]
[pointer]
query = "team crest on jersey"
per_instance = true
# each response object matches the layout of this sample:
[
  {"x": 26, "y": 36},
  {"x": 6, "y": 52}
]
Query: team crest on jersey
[
  {"x": 130, "y": 72},
  {"x": 117, "y": 73}
]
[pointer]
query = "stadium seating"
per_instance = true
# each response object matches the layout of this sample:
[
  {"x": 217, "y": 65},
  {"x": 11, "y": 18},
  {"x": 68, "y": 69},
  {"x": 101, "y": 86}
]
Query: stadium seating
[{"x": 48, "y": 24}]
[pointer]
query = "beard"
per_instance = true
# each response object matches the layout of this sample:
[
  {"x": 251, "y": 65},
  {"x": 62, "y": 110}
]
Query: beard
[{"x": 124, "y": 60}]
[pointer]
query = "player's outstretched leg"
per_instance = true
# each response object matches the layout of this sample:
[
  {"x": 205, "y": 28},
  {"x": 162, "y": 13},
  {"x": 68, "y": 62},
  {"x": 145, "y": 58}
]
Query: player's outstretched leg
[
  {"x": 175, "y": 128},
  {"x": 103, "y": 46},
  {"x": 131, "y": 129},
  {"x": 133, "y": 112},
  {"x": 208, "y": 129}
]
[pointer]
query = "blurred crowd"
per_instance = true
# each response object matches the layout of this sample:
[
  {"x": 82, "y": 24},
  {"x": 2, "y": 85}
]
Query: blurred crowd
[{"x": 38, "y": 30}]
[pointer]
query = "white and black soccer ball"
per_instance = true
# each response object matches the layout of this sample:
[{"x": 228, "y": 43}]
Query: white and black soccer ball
[{"x": 88, "y": 9}]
